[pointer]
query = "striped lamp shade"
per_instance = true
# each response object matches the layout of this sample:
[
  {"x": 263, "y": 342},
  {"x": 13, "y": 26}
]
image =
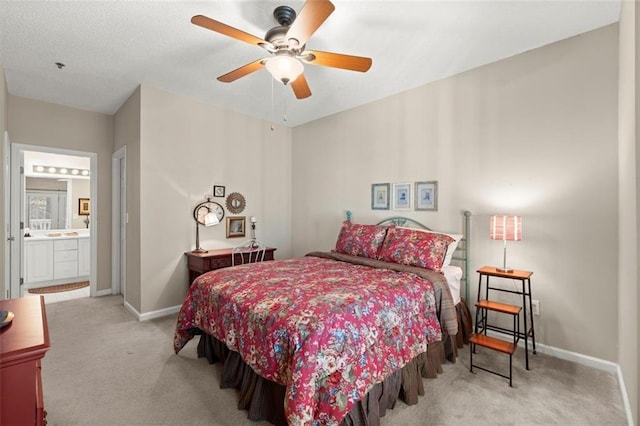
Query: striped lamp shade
[{"x": 505, "y": 227}]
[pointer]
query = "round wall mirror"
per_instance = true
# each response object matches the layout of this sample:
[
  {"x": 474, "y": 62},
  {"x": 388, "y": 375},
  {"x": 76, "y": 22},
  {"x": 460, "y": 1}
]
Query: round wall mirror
[{"x": 235, "y": 202}]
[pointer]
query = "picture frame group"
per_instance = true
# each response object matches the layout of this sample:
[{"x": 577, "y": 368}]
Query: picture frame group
[{"x": 402, "y": 196}]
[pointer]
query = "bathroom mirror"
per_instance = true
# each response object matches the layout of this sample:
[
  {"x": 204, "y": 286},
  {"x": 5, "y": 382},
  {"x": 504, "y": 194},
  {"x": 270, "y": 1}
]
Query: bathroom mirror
[{"x": 53, "y": 185}]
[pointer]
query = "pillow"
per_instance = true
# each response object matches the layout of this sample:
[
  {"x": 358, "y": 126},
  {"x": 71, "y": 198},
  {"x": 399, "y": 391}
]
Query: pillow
[
  {"x": 415, "y": 248},
  {"x": 360, "y": 240},
  {"x": 452, "y": 246}
]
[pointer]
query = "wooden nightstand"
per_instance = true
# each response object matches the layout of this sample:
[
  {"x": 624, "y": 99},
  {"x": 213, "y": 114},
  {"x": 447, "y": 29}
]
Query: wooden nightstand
[
  {"x": 23, "y": 344},
  {"x": 525, "y": 279},
  {"x": 199, "y": 263}
]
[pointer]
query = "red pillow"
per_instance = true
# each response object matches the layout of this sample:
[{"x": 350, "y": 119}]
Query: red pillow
[
  {"x": 415, "y": 248},
  {"x": 360, "y": 240}
]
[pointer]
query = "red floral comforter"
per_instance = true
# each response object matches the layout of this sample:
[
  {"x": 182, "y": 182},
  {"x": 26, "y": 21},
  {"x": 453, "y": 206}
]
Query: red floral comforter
[{"x": 327, "y": 330}]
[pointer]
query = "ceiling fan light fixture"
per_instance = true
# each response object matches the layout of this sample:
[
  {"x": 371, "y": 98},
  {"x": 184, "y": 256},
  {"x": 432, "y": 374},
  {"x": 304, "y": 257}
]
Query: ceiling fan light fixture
[{"x": 284, "y": 67}]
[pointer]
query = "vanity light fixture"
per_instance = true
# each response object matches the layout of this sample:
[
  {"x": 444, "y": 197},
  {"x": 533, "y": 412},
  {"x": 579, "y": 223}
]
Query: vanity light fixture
[{"x": 60, "y": 170}]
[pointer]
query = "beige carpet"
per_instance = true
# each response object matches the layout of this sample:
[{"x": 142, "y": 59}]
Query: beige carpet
[{"x": 106, "y": 368}]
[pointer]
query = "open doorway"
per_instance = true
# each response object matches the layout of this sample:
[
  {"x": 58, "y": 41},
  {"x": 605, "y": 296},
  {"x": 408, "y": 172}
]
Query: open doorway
[{"x": 53, "y": 222}]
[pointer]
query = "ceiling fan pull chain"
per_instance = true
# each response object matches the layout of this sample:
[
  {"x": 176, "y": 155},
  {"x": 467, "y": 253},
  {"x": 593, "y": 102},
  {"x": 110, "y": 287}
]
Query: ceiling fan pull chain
[
  {"x": 284, "y": 115},
  {"x": 273, "y": 113}
]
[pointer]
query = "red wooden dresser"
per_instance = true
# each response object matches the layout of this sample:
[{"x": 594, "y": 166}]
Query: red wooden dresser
[{"x": 23, "y": 344}]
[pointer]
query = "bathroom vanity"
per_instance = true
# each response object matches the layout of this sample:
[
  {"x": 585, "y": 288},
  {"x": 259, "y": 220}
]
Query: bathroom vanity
[{"x": 56, "y": 257}]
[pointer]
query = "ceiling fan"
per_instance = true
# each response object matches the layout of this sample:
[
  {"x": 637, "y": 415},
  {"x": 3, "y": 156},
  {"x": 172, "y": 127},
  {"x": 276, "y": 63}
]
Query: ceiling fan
[{"x": 286, "y": 43}]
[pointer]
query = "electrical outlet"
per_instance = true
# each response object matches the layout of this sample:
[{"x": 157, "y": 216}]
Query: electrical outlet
[{"x": 535, "y": 307}]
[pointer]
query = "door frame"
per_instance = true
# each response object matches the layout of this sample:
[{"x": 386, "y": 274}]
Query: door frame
[
  {"x": 8, "y": 242},
  {"x": 119, "y": 222},
  {"x": 17, "y": 202}
]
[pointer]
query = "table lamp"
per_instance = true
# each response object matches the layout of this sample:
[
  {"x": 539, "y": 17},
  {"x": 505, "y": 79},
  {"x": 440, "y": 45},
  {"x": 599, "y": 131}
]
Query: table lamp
[
  {"x": 505, "y": 228},
  {"x": 203, "y": 216}
]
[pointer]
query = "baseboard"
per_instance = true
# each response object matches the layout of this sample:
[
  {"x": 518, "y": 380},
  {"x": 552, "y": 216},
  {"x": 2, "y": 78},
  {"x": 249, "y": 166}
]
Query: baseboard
[
  {"x": 625, "y": 397},
  {"x": 101, "y": 293},
  {"x": 578, "y": 358},
  {"x": 153, "y": 314}
]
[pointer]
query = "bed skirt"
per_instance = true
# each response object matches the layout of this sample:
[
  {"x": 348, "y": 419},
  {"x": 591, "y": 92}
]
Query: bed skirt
[{"x": 263, "y": 399}]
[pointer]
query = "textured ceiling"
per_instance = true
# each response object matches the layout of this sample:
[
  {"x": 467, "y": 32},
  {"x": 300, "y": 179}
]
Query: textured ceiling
[{"x": 111, "y": 47}]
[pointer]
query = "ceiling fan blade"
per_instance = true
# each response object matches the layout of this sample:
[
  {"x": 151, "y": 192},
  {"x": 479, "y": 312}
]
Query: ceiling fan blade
[
  {"x": 311, "y": 16},
  {"x": 219, "y": 27},
  {"x": 300, "y": 87},
  {"x": 336, "y": 60},
  {"x": 242, "y": 71}
]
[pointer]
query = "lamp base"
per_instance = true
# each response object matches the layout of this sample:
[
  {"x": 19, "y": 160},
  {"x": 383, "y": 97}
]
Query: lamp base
[
  {"x": 507, "y": 270},
  {"x": 199, "y": 250}
]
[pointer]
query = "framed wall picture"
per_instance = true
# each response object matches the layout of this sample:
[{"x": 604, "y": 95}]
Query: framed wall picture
[
  {"x": 380, "y": 196},
  {"x": 218, "y": 191},
  {"x": 84, "y": 207},
  {"x": 427, "y": 195},
  {"x": 402, "y": 196},
  {"x": 235, "y": 226}
]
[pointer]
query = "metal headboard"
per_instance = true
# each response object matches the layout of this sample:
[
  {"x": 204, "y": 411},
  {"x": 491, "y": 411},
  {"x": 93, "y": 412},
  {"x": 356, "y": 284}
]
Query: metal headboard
[{"x": 462, "y": 253}]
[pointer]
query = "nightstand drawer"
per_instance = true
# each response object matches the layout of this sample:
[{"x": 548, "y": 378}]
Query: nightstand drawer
[{"x": 222, "y": 262}]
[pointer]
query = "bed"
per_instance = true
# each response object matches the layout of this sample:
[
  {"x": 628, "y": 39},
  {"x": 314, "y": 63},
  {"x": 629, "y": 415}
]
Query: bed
[{"x": 332, "y": 337}]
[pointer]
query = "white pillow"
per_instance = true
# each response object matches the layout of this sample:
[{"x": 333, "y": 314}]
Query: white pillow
[{"x": 450, "y": 249}]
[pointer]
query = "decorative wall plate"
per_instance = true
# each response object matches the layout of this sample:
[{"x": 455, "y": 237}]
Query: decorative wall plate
[{"x": 235, "y": 203}]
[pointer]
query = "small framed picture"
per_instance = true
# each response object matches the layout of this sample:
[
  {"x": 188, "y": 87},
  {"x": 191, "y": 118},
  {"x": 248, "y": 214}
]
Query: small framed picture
[
  {"x": 380, "y": 196},
  {"x": 427, "y": 195},
  {"x": 218, "y": 191},
  {"x": 84, "y": 207},
  {"x": 402, "y": 196},
  {"x": 235, "y": 226}
]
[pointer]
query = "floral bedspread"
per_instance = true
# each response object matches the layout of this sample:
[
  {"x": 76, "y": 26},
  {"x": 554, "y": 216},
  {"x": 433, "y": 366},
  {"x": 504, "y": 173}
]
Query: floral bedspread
[{"x": 327, "y": 330}]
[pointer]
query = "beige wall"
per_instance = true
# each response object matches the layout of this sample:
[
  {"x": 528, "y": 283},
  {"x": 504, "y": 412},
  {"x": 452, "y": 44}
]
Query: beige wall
[
  {"x": 127, "y": 133},
  {"x": 534, "y": 134},
  {"x": 185, "y": 148},
  {"x": 40, "y": 123},
  {"x": 629, "y": 197},
  {"x": 4, "y": 287}
]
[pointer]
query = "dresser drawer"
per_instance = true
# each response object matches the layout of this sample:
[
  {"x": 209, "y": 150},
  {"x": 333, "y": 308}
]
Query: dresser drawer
[
  {"x": 65, "y": 269},
  {"x": 71, "y": 244},
  {"x": 65, "y": 255}
]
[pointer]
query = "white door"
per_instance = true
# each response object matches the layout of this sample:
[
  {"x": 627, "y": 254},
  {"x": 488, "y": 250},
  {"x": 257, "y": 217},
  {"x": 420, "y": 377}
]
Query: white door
[
  {"x": 8, "y": 240},
  {"x": 119, "y": 222},
  {"x": 16, "y": 220}
]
